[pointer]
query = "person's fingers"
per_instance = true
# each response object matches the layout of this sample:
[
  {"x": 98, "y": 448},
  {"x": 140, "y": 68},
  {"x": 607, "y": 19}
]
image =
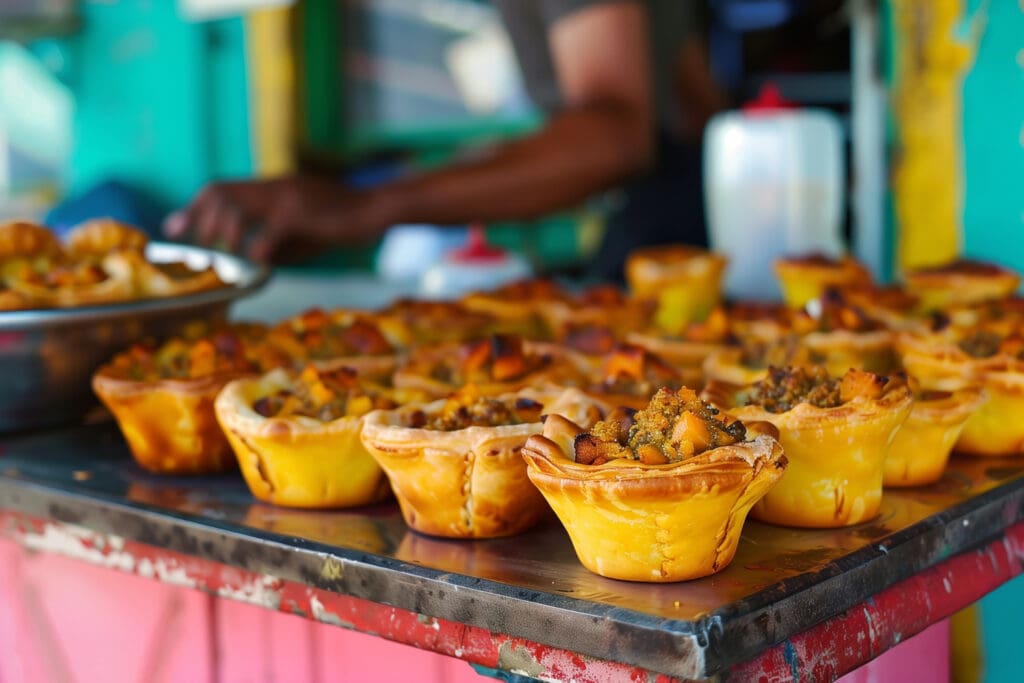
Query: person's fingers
[
  {"x": 176, "y": 224},
  {"x": 232, "y": 228},
  {"x": 276, "y": 230}
]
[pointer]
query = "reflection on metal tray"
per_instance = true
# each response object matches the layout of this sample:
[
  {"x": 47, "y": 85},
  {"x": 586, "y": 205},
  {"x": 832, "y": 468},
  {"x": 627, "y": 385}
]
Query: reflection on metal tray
[
  {"x": 47, "y": 357},
  {"x": 781, "y": 582}
]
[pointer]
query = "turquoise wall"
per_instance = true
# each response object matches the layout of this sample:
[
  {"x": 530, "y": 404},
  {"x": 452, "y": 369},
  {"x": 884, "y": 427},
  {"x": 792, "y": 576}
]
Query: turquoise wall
[
  {"x": 993, "y": 123},
  {"x": 160, "y": 103}
]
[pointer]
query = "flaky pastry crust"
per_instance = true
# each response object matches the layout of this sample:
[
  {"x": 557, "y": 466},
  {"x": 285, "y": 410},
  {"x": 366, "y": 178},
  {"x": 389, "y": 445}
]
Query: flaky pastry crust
[
  {"x": 468, "y": 483},
  {"x": 836, "y": 455},
  {"x": 637, "y": 522},
  {"x": 807, "y": 277},
  {"x": 685, "y": 282},
  {"x": 922, "y": 446},
  {"x": 294, "y": 460}
]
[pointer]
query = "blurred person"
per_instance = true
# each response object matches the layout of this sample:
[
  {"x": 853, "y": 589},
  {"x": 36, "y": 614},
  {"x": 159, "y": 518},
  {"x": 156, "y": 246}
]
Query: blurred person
[{"x": 626, "y": 88}]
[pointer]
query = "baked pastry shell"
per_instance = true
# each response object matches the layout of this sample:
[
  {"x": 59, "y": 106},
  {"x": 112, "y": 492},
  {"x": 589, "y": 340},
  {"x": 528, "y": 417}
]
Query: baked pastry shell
[
  {"x": 942, "y": 289},
  {"x": 802, "y": 280},
  {"x": 294, "y": 460},
  {"x": 567, "y": 368},
  {"x": 655, "y": 523},
  {"x": 169, "y": 424},
  {"x": 686, "y": 282},
  {"x": 836, "y": 456},
  {"x": 996, "y": 428},
  {"x": 922, "y": 445},
  {"x": 467, "y": 483},
  {"x": 844, "y": 349},
  {"x": 686, "y": 356}
]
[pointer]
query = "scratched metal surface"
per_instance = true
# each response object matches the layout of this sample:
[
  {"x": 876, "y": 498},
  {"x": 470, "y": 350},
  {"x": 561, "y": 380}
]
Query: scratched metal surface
[{"x": 781, "y": 582}]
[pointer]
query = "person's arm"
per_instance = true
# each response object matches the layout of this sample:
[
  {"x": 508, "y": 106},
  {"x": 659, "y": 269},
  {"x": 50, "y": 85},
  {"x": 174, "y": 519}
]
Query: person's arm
[{"x": 603, "y": 135}]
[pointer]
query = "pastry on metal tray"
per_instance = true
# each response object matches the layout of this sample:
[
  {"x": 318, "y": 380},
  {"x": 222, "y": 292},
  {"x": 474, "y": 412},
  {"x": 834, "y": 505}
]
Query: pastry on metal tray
[{"x": 655, "y": 495}]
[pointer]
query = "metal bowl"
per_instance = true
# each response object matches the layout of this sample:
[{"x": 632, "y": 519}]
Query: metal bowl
[{"x": 47, "y": 357}]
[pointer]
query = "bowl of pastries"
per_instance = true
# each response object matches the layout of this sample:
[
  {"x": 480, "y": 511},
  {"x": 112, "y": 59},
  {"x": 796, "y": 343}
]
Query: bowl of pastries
[{"x": 69, "y": 304}]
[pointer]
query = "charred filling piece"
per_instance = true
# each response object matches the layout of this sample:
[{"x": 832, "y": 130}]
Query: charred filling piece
[
  {"x": 785, "y": 388},
  {"x": 676, "y": 425},
  {"x": 633, "y": 370},
  {"x": 500, "y": 358},
  {"x": 323, "y": 396},
  {"x": 318, "y": 335},
  {"x": 467, "y": 408}
]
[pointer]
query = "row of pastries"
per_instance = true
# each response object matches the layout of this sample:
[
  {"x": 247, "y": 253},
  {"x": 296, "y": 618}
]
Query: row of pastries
[{"x": 651, "y": 421}]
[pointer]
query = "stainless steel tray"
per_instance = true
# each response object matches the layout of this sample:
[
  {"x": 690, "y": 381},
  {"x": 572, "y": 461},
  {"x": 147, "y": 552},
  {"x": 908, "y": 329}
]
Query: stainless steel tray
[{"x": 47, "y": 356}]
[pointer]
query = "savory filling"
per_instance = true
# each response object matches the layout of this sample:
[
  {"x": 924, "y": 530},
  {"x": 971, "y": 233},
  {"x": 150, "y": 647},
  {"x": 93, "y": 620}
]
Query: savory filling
[
  {"x": 635, "y": 371},
  {"x": 595, "y": 340},
  {"x": 529, "y": 290},
  {"x": 324, "y": 396},
  {"x": 712, "y": 330},
  {"x": 500, "y": 358},
  {"x": 318, "y": 335},
  {"x": 832, "y": 312},
  {"x": 785, "y": 388},
  {"x": 224, "y": 351},
  {"x": 760, "y": 355},
  {"x": 675, "y": 425},
  {"x": 468, "y": 408},
  {"x": 44, "y": 273},
  {"x": 986, "y": 344}
]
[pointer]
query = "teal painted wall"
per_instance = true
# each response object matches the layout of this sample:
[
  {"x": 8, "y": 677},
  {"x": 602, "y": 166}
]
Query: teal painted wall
[
  {"x": 160, "y": 103},
  {"x": 993, "y": 124}
]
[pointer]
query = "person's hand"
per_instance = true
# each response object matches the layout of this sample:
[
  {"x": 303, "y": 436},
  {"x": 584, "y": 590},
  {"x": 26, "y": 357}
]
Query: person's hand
[{"x": 281, "y": 219}]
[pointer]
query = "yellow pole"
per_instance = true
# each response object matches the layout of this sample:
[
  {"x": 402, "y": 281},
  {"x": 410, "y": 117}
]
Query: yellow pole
[
  {"x": 930, "y": 63},
  {"x": 271, "y": 66}
]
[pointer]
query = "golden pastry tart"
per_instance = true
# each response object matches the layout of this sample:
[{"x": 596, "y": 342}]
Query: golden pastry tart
[
  {"x": 835, "y": 432},
  {"x": 455, "y": 465},
  {"x": 805, "y": 278},
  {"x": 843, "y": 336},
  {"x": 604, "y": 307},
  {"x": 749, "y": 362},
  {"x": 62, "y": 284},
  {"x": 954, "y": 359},
  {"x": 162, "y": 397},
  {"x": 151, "y": 279},
  {"x": 498, "y": 364},
  {"x": 960, "y": 282},
  {"x": 921, "y": 448},
  {"x": 96, "y": 238},
  {"x": 688, "y": 349},
  {"x": 516, "y": 307},
  {"x": 296, "y": 437},
  {"x": 684, "y": 282},
  {"x": 24, "y": 239},
  {"x": 631, "y": 375},
  {"x": 416, "y": 322},
  {"x": 893, "y": 306},
  {"x": 656, "y": 495},
  {"x": 332, "y": 339}
]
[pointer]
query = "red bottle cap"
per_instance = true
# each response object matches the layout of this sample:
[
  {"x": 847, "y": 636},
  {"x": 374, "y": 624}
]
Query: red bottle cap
[
  {"x": 769, "y": 100},
  {"x": 476, "y": 250}
]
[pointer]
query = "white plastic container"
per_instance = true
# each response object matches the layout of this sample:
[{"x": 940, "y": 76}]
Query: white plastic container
[{"x": 773, "y": 184}]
